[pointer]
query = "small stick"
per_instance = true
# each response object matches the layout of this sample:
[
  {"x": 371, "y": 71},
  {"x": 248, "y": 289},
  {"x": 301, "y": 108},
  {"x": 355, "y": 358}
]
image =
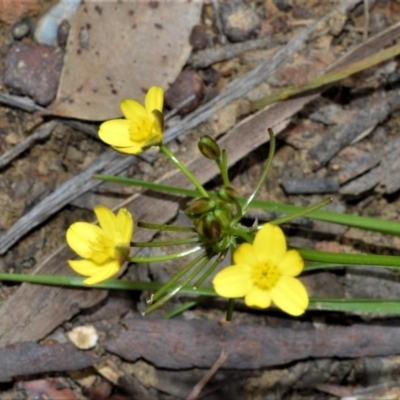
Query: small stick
[{"x": 203, "y": 381}]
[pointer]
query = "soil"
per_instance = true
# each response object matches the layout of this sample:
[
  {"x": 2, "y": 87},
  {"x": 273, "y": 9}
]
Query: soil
[{"x": 46, "y": 164}]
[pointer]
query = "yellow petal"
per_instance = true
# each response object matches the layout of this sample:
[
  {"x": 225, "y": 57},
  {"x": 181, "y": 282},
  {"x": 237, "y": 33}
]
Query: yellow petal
[
  {"x": 291, "y": 264},
  {"x": 154, "y": 99},
  {"x": 290, "y": 295},
  {"x": 108, "y": 222},
  {"x": 133, "y": 149},
  {"x": 85, "y": 267},
  {"x": 258, "y": 298},
  {"x": 106, "y": 272},
  {"x": 132, "y": 109},
  {"x": 90, "y": 241},
  {"x": 125, "y": 225},
  {"x": 244, "y": 254},
  {"x": 233, "y": 281},
  {"x": 270, "y": 244},
  {"x": 115, "y": 132},
  {"x": 81, "y": 236}
]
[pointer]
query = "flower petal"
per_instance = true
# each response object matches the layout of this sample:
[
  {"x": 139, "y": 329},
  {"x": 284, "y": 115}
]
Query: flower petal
[
  {"x": 81, "y": 236},
  {"x": 85, "y": 267},
  {"x": 291, "y": 264},
  {"x": 132, "y": 109},
  {"x": 244, "y": 254},
  {"x": 106, "y": 272},
  {"x": 154, "y": 99},
  {"x": 270, "y": 244},
  {"x": 125, "y": 225},
  {"x": 134, "y": 148},
  {"x": 108, "y": 222},
  {"x": 290, "y": 295},
  {"x": 233, "y": 281},
  {"x": 258, "y": 298},
  {"x": 115, "y": 132}
]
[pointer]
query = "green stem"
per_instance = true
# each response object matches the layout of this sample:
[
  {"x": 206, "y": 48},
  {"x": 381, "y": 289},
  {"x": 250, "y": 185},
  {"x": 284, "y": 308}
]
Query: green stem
[
  {"x": 243, "y": 234},
  {"x": 176, "y": 289},
  {"x": 184, "y": 170},
  {"x": 393, "y": 262},
  {"x": 163, "y": 258},
  {"x": 165, "y": 243},
  {"x": 112, "y": 284},
  {"x": 163, "y": 227},
  {"x": 301, "y": 213},
  {"x": 210, "y": 270},
  {"x": 167, "y": 286},
  {"x": 185, "y": 306},
  {"x": 267, "y": 167},
  {"x": 229, "y": 311},
  {"x": 223, "y": 167}
]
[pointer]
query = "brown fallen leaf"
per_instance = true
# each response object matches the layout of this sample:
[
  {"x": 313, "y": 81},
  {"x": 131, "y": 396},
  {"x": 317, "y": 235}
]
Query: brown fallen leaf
[
  {"x": 186, "y": 344},
  {"x": 118, "y": 49},
  {"x": 33, "y": 358}
]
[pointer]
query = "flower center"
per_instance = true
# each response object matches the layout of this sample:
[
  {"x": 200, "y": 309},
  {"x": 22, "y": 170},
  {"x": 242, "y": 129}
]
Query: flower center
[
  {"x": 140, "y": 128},
  {"x": 265, "y": 275}
]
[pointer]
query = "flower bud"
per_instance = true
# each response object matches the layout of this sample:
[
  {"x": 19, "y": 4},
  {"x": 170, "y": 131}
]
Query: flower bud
[
  {"x": 228, "y": 194},
  {"x": 209, "y": 148},
  {"x": 211, "y": 228},
  {"x": 222, "y": 217},
  {"x": 200, "y": 206}
]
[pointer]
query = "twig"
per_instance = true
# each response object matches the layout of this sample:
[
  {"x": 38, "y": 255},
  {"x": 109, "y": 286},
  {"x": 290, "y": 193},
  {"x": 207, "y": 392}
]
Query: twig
[
  {"x": 41, "y": 133},
  {"x": 366, "y": 16},
  {"x": 218, "y": 22},
  {"x": 207, "y": 57},
  {"x": 203, "y": 381},
  {"x": 244, "y": 84}
]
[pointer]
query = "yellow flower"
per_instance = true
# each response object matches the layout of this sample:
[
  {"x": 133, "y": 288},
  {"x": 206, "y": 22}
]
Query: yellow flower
[
  {"x": 264, "y": 272},
  {"x": 142, "y": 127},
  {"x": 100, "y": 245}
]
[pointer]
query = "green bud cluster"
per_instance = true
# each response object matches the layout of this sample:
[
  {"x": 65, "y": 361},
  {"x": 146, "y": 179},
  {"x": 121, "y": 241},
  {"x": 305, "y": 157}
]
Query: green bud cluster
[{"x": 212, "y": 219}]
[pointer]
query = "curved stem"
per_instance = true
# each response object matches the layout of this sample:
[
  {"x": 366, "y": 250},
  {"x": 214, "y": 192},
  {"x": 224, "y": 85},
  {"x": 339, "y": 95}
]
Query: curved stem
[
  {"x": 243, "y": 234},
  {"x": 163, "y": 258},
  {"x": 184, "y": 170},
  {"x": 267, "y": 167}
]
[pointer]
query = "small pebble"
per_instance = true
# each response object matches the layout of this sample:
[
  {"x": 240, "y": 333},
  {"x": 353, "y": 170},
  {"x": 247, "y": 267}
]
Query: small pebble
[
  {"x": 240, "y": 22},
  {"x": 198, "y": 38},
  {"x": 310, "y": 185},
  {"x": 21, "y": 28},
  {"x": 187, "y": 84},
  {"x": 34, "y": 70},
  {"x": 84, "y": 337}
]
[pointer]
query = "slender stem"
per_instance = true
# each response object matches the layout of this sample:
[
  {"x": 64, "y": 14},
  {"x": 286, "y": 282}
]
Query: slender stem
[
  {"x": 229, "y": 311},
  {"x": 167, "y": 286},
  {"x": 163, "y": 258},
  {"x": 243, "y": 234},
  {"x": 185, "y": 306},
  {"x": 268, "y": 164},
  {"x": 300, "y": 213},
  {"x": 162, "y": 227},
  {"x": 112, "y": 284},
  {"x": 223, "y": 167},
  {"x": 392, "y": 262},
  {"x": 165, "y": 243},
  {"x": 184, "y": 170},
  {"x": 210, "y": 270},
  {"x": 176, "y": 289}
]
